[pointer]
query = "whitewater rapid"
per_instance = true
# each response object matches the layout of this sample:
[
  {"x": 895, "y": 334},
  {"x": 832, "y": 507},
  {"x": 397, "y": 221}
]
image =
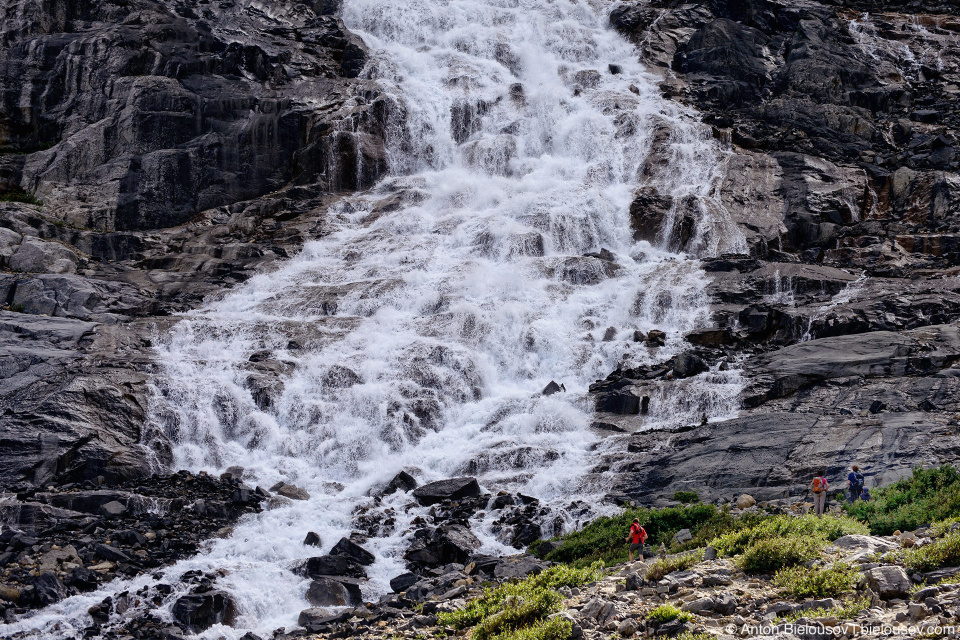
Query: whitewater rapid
[{"x": 419, "y": 331}]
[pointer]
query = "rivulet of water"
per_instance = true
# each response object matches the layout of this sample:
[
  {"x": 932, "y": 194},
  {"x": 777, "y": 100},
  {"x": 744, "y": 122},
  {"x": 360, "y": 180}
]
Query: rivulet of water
[{"x": 419, "y": 332}]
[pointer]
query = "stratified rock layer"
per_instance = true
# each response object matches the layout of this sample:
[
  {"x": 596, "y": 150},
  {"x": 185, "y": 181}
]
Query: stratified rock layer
[{"x": 843, "y": 175}]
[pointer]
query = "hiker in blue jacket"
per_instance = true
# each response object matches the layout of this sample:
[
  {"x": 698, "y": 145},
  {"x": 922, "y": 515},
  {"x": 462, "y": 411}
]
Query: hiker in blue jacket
[{"x": 855, "y": 482}]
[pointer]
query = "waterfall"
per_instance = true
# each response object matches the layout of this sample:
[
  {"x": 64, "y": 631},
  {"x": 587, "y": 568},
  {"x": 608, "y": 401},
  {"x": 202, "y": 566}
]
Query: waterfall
[{"x": 419, "y": 331}]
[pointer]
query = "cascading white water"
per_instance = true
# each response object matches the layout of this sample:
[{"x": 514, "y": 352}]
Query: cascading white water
[{"x": 420, "y": 331}]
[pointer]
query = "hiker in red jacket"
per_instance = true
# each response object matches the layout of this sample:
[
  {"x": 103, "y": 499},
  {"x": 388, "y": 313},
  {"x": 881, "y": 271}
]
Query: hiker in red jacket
[{"x": 636, "y": 538}]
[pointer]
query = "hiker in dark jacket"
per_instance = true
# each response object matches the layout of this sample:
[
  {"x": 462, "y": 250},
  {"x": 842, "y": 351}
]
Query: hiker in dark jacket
[{"x": 855, "y": 483}]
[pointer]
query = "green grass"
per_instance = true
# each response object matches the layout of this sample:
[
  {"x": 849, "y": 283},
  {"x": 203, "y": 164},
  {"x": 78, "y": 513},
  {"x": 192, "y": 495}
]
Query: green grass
[
  {"x": 603, "y": 539},
  {"x": 928, "y": 495},
  {"x": 777, "y": 542},
  {"x": 828, "y": 582},
  {"x": 19, "y": 195},
  {"x": 944, "y": 552},
  {"x": 827, "y": 528},
  {"x": 773, "y": 554},
  {"x": 681, "y": 562},
  {"x": 686, "y": 497},
  {"x": 667, "y": 613},
  {"x": 847, "y": 611},
  {"x": 520, "y": 607},
  {"x": 553, "y": 629}
]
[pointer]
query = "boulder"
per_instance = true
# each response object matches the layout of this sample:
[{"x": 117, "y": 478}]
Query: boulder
[
  {"x": 43, "y": 257},
  {"x": 745, "y": 501},
  {"x": 203, "y": 609},
  {"x": 113, "y": 554},
  {"x": 312, "y": 540},
  {"x": 346, "y": 547},
  {"x": 452, "y": 489},
  {"x": 48, "y": 589},
  {"x": 82, "y": 579},
  {"x": 316, "y": 619},
  {"x": 56, "y": 558},
  {"x": 724, "y": 603},
  {"x": 403, "y": 481},
  {"x": 889, "y": 582},
  {"x": 656, "y": 338},
  {"x": 443, "y": 545},
  {"x": 856, "y": 543},
  {"x": 518, "y": 567},
  {"x": 403, "y": 582},
  {"x": 113, "y": 509},
  {"x": 326, "y": 566},
  {"x": 699, "y": 606},
  {"x": 551, "y": 389},
  {"x": 627, "y": 628},
  {"x": 682, "y": 536},
  {"x": 327, "y": 592},
  {"x": 290, "y": 491},
  {"x": 687, "y": 365}
]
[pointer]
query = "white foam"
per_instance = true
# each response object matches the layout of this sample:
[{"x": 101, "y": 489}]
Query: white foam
[{"x": 443, "y": 306}]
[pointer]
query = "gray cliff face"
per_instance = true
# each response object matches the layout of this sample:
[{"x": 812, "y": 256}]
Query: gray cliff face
[
  {"x": 177, "y": 148},
  {"x": 139, "y": 115},
  {"x": 844, "y": 177}
]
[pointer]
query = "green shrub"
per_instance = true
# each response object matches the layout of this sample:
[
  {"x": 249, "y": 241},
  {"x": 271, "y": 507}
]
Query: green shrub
[
  {"x": 848, "y": 610},
  {"x": 944, "y": 552},
  {"x": 943, "y": 527},
  {"x": 771, "y": 554},
  {"x": 668, "y": 612},
  {"x": 681, "y": 562},
  {"x": 686, "y": 497},
  {"x": 19, "y": 195},
  {"x": 553, "y": 629},
  {"x": 926, "y": 496},
  {"x": 603, "y": 539},
  {"x": 519, "y": 611},
  {"x": 513, "y": 606},
  {"x": 823, "y": 529},
  {"x": 827, "y": 582}
]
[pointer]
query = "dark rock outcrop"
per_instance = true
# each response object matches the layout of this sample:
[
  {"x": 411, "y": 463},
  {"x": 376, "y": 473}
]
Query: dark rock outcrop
[
  {"x": 452, "y": 489},
  {"x": 842, "y": 175},
  {"x": 204, "y": 608}
]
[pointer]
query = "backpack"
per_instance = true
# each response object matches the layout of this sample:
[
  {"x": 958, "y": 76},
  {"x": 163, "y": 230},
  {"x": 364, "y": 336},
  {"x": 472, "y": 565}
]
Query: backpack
[
  {"x": 858, "y": 480},
  {"x": 820, "y": 484}
]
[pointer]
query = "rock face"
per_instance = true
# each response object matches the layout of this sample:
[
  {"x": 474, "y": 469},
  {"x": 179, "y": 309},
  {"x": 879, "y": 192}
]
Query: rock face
[
  {"x": 141, "y": 115},
  {"x": 158, "y": 152},
  {"x": 843, "y": 177}
]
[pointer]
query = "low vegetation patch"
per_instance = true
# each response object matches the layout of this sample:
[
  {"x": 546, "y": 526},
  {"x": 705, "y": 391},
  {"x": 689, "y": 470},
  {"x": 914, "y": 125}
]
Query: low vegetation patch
[
  {"x": 826, "y": 582},
  {"x": 667, "y": 613},
  {"x": 825, "y": 529},
  {"x": 603, "y": 539},
  {"x": 846, "y": 611},
  {"x": 928, "y": 495},
  {"x": 518, "y": 610},
  {"x": 777, "y": 542},
  {"x": 686, "y": 497},
  {"x": 680, "y": 562},
  {"x": 552, "y": 629},
  {"x": 19, "y": 195},
  {"x": 773, "y": 554},
  {"x": 944, "y": 552}
]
